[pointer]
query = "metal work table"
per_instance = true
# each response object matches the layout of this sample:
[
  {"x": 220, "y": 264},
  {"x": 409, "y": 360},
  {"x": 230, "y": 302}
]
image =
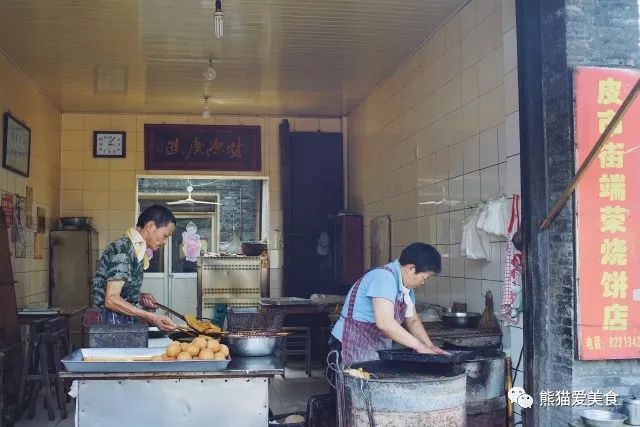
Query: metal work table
[{"x": 239, "y": 395}]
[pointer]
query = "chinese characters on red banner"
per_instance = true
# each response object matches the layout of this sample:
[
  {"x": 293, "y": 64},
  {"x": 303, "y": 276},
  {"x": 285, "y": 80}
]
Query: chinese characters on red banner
[{"x": 606, "y": 207}]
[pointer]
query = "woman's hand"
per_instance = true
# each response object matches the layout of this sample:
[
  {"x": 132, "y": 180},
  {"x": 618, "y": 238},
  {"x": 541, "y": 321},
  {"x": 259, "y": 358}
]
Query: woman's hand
[{"x": 430, "y": 349}]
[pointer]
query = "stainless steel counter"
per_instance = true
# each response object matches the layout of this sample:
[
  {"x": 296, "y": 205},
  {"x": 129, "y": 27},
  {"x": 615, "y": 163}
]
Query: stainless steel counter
[{"x": 237, "y": 396}]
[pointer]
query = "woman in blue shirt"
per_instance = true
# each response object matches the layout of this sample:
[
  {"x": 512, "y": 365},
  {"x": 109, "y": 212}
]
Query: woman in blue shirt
[{"x": 380, "y": 303}]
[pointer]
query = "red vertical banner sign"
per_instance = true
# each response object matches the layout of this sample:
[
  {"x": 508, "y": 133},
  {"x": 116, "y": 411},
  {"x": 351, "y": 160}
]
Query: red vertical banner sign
[{"x": 607, "y": 215}]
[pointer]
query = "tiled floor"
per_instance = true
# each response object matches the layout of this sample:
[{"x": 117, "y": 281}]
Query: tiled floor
[
  {"x": 291, "y": 393},
  {"x": 285, "y": 396},
  {"x": 42, "y": 420}
]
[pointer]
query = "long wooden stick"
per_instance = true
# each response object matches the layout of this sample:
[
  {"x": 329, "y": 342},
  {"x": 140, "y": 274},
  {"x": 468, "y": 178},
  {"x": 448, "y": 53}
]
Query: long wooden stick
[{"x": 592, "y": 154}]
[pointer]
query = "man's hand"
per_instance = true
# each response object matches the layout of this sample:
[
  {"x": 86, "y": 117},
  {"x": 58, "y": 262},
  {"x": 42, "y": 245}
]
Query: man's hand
[
  {"x": 147, "y": 300},
  {"x": 430, "y": 349},
  {"x": 163, "y": 322}
]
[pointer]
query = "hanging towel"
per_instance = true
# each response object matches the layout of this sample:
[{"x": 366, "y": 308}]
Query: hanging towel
[
  {"x": 512, "y": 284},
  {"x": 139, "y": 246}
]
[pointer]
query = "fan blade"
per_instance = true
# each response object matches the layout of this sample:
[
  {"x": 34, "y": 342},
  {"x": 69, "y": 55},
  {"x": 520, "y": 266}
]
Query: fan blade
[
  {"x": 204, "y": 203},
  {"x": 191, "y": 202}
]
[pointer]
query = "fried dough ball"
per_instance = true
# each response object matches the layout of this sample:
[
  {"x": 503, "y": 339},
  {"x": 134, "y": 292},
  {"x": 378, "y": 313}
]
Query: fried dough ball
[
  {"x": 206, "y": 354},
  {"x": 214, "y": 346},
  {"x": 214, "y": 329},
  {"x": 219, "y": 356},
  {"x": 167, "y": 358},
  {"x": 173, "y": 350},
  {"x": 196, "y": 324},
  {"x": 224, "y": 350},
  {"x": 206, "y": 337},
  {"x": 184, "y": 356},
  {"x": 184, "y": 345},
  {"x": 193, "y": 350},
  {"x": 200, "y": 342},
  {"x": 157, "y": 358}
]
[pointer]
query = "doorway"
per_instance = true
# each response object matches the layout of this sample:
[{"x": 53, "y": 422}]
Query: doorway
[{"x": 233, "y": 208}]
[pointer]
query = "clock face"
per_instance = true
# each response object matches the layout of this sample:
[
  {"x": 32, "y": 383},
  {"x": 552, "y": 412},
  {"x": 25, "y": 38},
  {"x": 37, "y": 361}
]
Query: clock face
[{"x": 109, "y": 144}]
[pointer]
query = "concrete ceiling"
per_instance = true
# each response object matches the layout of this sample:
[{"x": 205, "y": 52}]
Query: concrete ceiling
[{"x": 303, "y": 57}]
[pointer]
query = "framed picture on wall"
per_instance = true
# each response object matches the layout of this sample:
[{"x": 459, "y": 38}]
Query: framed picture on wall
[{"x": 16, "y": 145}]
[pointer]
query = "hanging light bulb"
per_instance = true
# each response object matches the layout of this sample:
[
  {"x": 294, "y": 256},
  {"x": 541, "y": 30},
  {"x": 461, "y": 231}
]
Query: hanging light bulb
[
  {"x": 206, "y": 113},
  {"x": 210, "y": 74},
  {"x": 217, "y": 19}
]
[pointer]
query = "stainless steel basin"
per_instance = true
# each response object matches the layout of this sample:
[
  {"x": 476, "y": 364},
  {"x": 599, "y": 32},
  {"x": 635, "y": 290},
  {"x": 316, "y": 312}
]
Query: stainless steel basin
[
  {"x": 252, "y": 345},
  {"x": 600, "y": 418}
]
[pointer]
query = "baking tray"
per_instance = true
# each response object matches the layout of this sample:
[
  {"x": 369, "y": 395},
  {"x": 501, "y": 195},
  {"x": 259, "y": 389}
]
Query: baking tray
[
  {"x": 410, "y": 355},
  {"x": 75, "y": 363}
]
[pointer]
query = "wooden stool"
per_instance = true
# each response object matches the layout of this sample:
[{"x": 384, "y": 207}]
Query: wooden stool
[
  {"x": 298, "y": 343},
  {"x": 30, "y": 365},
  {"x": 47, "y": 343},
  {"x": 58, "y": 345}
]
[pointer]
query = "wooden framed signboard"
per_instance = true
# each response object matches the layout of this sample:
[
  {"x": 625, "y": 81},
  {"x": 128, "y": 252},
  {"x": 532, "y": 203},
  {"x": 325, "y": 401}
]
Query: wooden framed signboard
[{"x": 202, "y": 147}]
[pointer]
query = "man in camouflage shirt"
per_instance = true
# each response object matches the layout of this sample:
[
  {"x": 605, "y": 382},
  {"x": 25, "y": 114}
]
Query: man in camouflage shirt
[{"x": 120, "y": 270}]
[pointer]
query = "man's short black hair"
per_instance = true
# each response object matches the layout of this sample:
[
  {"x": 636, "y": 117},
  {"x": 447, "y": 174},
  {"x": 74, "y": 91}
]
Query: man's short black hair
[
  {"x": 425, "y": 257},
  {"x": 158, "y": 214}
]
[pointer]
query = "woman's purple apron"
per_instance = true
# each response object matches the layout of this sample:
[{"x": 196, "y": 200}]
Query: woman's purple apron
[{"x": 362, "y": 340}]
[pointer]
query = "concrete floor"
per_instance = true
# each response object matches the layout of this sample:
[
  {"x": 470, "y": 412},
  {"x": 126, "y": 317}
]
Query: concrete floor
[{"x": 285, "y": 396}]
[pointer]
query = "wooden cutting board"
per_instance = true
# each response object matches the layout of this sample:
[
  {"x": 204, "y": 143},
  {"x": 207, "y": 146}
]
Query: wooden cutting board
[{"x": 380, "y": 233}]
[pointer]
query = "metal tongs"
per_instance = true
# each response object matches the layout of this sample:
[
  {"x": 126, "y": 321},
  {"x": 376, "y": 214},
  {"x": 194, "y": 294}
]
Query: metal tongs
[{"x": 188, "y": 329}]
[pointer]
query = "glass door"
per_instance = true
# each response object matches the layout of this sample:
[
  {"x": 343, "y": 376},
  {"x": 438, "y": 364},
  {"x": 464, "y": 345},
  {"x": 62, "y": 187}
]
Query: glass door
[{"x": 195, "y": 235}]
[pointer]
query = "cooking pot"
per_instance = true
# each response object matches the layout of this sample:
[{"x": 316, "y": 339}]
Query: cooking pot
[
  {"x": 461, "y": 320},
  {"x": 252, "y": 345},
  {"x": 253, "y": 248},
  {"x": 632, "y": 411},
  {"x": 76, "y": 222}
]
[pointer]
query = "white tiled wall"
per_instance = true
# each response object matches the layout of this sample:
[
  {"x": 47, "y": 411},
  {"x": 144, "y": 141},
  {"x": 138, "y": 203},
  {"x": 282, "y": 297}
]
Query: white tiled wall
[
  {"x": 444, "y": 123},
  {"x": 25, "y": 101},
  {"x": 92, "y": 187}
]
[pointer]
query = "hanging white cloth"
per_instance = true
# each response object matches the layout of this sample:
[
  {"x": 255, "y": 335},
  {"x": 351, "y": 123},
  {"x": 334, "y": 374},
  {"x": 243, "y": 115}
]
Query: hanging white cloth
[
  {"x": 474, "y": 243},
  {"x": 494, "y": 216}
]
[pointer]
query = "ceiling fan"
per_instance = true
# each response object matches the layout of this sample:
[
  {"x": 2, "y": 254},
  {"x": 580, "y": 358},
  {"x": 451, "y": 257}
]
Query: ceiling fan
[{"x": 190, "y": 200}]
